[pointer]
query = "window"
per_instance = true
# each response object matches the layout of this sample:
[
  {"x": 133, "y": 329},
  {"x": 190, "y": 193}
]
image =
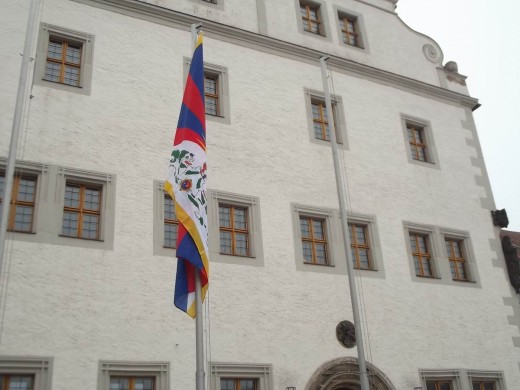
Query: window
[
  {"x": 131, "y": 383},
  {"x": 454, "y": 248},
  {"x": 116, "y": 375},
  {"x": 349, "y": 30},
  {"x": 64, "y": 59},
  {"x": 234, "y": 230},
  {"x": 25, "y": 373},
  {"x": 438, "y": 385},
  {"x": 311, "y": 18},
  {"x": 237, "y": 376},
  {"x": 86, "y": 208},
  {"x": 483, "y": 385},
  {"x": 211, "y": 94},
  {"x": 419, "y": 142},
  {"x": 63, "y": 62},
  {"x": 82, "y": 211},
  {"x": 171, "y": 223},
  {"x": 237, "y": 384},
  {"x": 486, "y": 380},
  {"x": 23, "y": 199},
  {"x": 421, "y": 252},
  {"x": 317, "y": 117},
  {"x": 211, "y": 1},
  {"x": 216, "y": 91},
  {"x": 314, "y": 240},
  {"x": 359, "y": 244}
]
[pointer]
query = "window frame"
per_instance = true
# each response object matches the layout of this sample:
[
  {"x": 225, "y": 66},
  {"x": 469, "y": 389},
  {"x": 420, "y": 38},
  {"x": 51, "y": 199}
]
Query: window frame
[
  {"x": 322, "y": 14},
  {"x": 160, "y": 371},
  {"x": 40, "y": 368},
  {"x": 252, "y": 204},
  {"x": 429, "y": 232},
  {"x": 104, "y": 181},
  {"x": 40, "y": 172},
  {"x": 432, "y": 159},
  {"x": 234, "y": 231},
  {"x": 338, "y": 114},
  {"x": 495, "y": 377},
  {"x": 261, "y": 372},
  {"x": 49, "y": 32},
  {"x": 315, "y": 241},
  {"x": 15, "y": 202},
  {"x": 221, "y": 74},
  {"x": 454, "y": 377},
  {"x": 81, "y": 210},
  {"x": 170, "y": 222},
  {"x": 359, "y": 23},
  {"x": 464, "y": 239}
]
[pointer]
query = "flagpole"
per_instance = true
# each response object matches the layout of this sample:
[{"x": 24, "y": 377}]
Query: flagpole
[
  {"x": 363, "y": 377},
  {"x": 199, "y": 335},
  {"x": 17, "y": 123}
]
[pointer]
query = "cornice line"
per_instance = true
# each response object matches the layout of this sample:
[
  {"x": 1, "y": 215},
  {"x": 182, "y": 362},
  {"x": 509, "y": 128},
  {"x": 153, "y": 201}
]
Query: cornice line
[{"x": 275, "y": 46}]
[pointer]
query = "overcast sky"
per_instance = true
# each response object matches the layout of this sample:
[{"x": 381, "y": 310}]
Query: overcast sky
[{"x": 483, "y": 36}]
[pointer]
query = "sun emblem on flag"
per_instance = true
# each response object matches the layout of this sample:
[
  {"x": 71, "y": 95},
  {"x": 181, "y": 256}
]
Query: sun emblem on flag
[{"x": 186, "y": 185}]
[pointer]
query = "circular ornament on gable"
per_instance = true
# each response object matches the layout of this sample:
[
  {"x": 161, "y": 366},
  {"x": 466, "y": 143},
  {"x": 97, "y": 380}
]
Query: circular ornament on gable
[
  {"x": 431, "y": 53},
  {"x": 346, "y": 334}
]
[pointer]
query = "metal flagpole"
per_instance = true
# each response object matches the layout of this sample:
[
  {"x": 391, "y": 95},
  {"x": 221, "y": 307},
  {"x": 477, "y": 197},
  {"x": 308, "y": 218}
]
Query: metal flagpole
[
  {"x": 344, "y": 227},
  {"x": 199, "y": 335},
  {"x": 17, "y": 124}
]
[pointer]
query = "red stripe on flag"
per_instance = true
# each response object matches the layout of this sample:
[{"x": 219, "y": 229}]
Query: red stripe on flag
[
  {"x": 184, "y": 134},
  {"x": 194, "y": 101}
]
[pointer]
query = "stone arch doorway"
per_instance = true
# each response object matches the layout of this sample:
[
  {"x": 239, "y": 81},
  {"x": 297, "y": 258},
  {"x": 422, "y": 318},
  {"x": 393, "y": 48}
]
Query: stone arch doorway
[{"x": 343, "y": 374}]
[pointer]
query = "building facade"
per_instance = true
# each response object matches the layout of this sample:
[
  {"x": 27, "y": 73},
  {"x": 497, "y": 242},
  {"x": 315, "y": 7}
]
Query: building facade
[{"x": 90, "y": 259}]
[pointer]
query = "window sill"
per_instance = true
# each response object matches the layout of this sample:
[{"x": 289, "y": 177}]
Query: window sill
[
  {"x": 427, "y": 277},
  {"x": 463, "y": 281},
  {"x": 319, "y": 265},
  {"x": 57, "y": 82},
  {"x": 20, "y": 231},
  {"x": 83, "y": 239},
  {"x": 232, "y": 255}
]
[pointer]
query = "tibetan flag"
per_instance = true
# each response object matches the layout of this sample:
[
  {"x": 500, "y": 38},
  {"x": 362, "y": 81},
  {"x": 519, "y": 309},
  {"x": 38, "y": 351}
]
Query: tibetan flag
[{"x": 186, "y": 183}]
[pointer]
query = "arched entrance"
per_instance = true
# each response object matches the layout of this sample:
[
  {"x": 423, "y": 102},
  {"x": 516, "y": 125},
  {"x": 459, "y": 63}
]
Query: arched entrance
[{"x": 343, "y": 374}]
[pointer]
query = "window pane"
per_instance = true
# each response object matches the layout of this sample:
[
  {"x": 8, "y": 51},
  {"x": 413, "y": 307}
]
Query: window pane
[
  {"x": 240, "y": 218},
  {"x": 70, "y": 224},
  {"x": 445, "y": 386},
  {"x": 143, "y": 384},
  {"x": 170, "y": 235},
  {"x": 225, "y": 242},
  {"x": 363, "y": 259},
  {"x": 169, "y": 208},
  {"x": 26, "y": 190},
  {"x": 321, "y": 254},
  {"x": 211, "y": 106},
  {"x": 91, "y": 201},
  {"x": 224, "y": 216},
  {"x": 71, "y": 75},
  {"x": 23, "y": 218},
  {"x": 73, "y": 54},
  {"x": 90, "y": 227},
  {"x": 247, "y": 384},
  {"x": 426, "y": 267},
  {"x": 241, "y": 244},
  {"x": 119, "y": 384},
  {"x": 52, "y": 71},
  {"x": 360, "y": 235},
  {"x": 72, "y": 196},
  {"x": 227, "y": 384},
  {"x": 305, "y": 228},
  {"x": 20, "y": 383},
  {"x": 307, "y": 252},
  {"x": 54, "y": 50}
]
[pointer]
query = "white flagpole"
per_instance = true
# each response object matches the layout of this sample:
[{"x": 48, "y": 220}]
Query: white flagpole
[
  {"x": 17, "y": 124},
  {"x": 199, "y": 335},
  {"x": 363, "y": 377}
]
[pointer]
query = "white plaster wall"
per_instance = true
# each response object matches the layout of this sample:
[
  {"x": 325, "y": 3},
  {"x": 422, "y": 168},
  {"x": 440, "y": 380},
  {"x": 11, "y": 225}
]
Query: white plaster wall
[{"x": 82, "y": 305}]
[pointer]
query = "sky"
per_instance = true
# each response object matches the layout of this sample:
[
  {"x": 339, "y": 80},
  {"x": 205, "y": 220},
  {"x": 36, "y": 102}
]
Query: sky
[{"x": 483, "y": 38}]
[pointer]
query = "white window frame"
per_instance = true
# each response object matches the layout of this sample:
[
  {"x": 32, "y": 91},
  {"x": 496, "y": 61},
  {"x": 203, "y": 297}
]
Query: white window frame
[
  {"x": 222, "y": 74},
  {"x": 252, "y": 203},
  {"x": 38, "y": 367},
  {"x": 261, "y": 372},
  {"x": 87, "y": 57},
  {"x": 338, "y": 113},
  {"x": 159, "y": 370},
  {"x": 487, "y": 376},
  {"x": 375, "y": 252},
  {"x": 432, "y": 158},
  {"x": 453, "y": 376}
]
